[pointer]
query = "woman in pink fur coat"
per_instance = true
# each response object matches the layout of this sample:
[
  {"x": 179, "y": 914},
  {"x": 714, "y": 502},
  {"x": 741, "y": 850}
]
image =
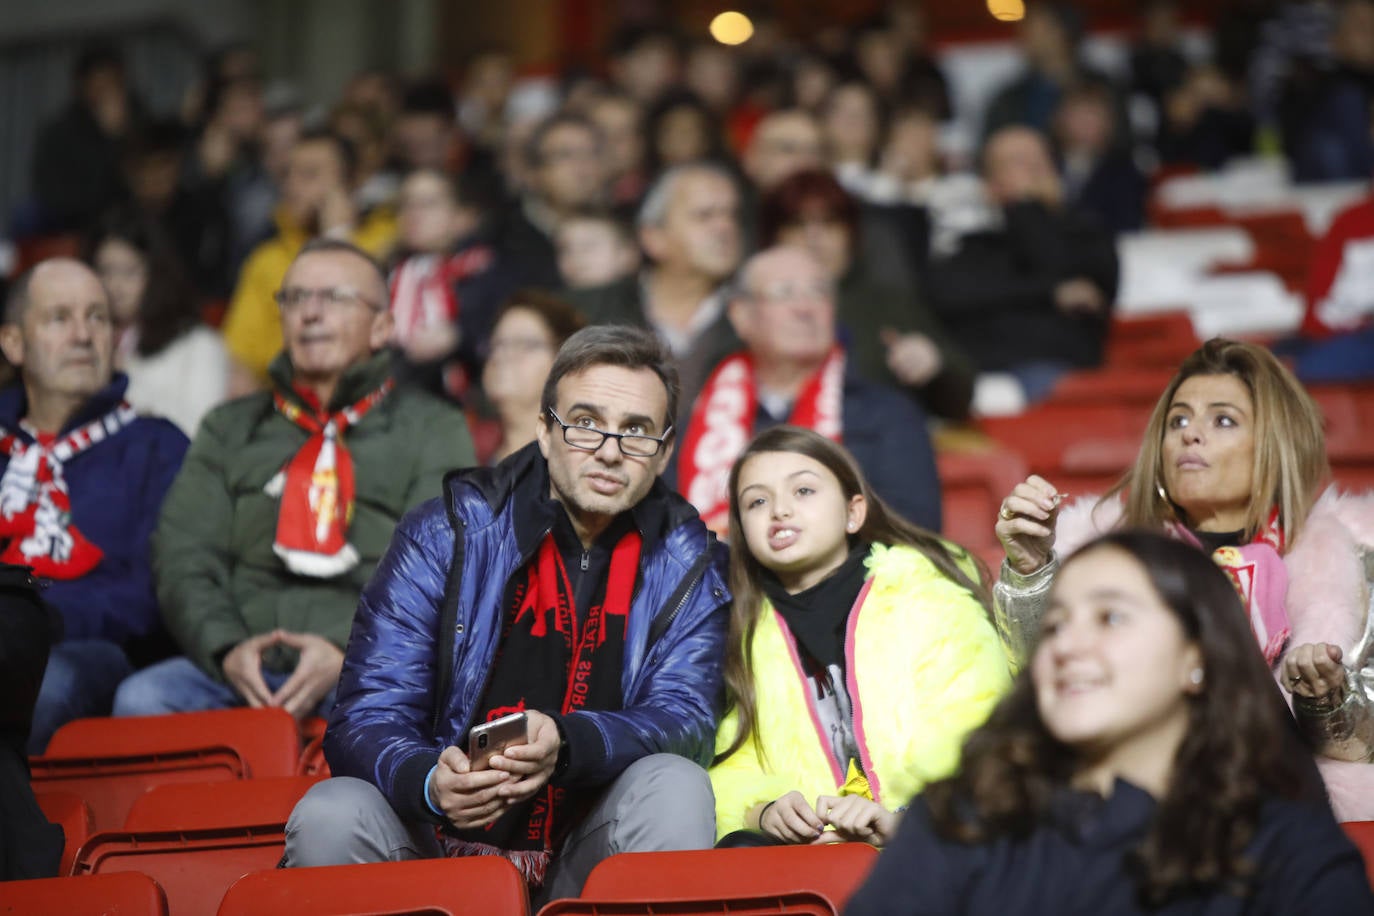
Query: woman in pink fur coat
[{"x": 1233, "y": 461}]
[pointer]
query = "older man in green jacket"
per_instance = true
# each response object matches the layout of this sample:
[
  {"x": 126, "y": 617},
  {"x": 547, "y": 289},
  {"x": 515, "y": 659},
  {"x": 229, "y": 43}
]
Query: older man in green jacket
[{"x": 287, "y": 500}]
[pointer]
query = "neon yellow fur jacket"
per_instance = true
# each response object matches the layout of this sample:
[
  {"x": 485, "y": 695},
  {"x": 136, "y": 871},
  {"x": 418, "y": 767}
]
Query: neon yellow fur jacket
[{"x": 923, "y": 666}]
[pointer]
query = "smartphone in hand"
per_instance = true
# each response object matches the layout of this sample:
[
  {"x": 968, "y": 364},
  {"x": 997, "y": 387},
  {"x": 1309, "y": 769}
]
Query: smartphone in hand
[{"x": 491, "y": 738}]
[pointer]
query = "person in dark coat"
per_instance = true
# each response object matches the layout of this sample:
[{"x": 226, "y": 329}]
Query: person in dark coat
[
  {"x": 77, "y": 159},
  {"x": 793, "y": 370},
  {"x": 568, "y": 584},
  {"x": 1033, "y": 297},
  {"x": 83, "y": 479},
  {"x": 1143, "y": 763}
]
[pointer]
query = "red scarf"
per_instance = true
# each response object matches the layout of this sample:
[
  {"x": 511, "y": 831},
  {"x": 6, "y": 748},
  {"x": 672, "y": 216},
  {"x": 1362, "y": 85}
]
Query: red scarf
[
  {"x": 316, "y": 489},
  {"x": 35, "y": 508},
  {"x": 424, "y": 295},
  {"x": 723, "y": 423},
  {"x": 1256, "y": 570},
  {"x": 578, "y": 669}
]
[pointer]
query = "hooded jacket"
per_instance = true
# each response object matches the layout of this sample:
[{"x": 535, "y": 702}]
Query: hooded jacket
[{"x": 429, "y": 624}]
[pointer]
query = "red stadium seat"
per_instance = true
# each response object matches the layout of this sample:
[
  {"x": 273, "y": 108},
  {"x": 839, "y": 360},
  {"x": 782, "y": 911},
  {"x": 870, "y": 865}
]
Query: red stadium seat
[
  {"x": 1361, "y": 833},
  {"x": 110, "y": 785},
  {"x": 477, "y": 885},
  {"x": 833, "y": 871},
  {"x": 1134, "y": 385},
  {"x": 207, "y": 806},
  {"x": 312, "y": 762},
  {"x": 110, "y": 762},
  {"x": 268, "y": 740},
  {"x": 128, "y": 894},
  {"x": 1162, "y": 340},
  {"x": 972, "y": 487},
  {"x": 193, "y": 867},
  {"x": 801, "y": 903},
  {"x": 73, "y": 815}
]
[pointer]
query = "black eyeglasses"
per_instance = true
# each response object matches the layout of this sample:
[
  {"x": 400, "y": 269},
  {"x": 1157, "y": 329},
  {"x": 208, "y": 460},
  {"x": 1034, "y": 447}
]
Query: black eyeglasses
[{"x": 589, "y": 439}]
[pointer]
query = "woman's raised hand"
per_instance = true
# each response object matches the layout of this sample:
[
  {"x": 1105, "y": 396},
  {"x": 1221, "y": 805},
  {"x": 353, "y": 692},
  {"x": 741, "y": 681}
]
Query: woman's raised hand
[
  {"x": 1025, "y": 523},
  {"x": 1315, "y": 671}
]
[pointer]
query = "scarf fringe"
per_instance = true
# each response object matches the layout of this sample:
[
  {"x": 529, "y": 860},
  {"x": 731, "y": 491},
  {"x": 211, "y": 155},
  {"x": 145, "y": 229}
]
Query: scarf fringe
[
  {"x": 318, "y": 565},
  {"x": 533, "y": 864}
]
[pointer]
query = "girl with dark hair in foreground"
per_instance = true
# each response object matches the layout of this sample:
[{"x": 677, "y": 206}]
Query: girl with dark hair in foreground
[{"x": 1142, "y": 763}]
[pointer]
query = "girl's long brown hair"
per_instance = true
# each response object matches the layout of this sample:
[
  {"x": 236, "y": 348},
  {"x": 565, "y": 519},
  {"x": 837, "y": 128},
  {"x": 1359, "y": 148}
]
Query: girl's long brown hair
[
  {"x": 881, "y": 526},
  {"x": 1238, "y": 750}
]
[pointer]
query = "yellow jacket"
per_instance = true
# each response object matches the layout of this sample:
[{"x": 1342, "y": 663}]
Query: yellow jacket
[
  {"x": 252, "y": 326},
  {"x": 923, "y": 666}
]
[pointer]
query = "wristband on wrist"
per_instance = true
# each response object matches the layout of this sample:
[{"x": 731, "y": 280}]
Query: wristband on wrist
[{"x": 764, "y": 811}]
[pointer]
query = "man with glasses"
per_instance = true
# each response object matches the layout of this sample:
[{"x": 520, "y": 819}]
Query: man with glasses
[
  {"x": 569, "y": 584},
  {"x": 287, "y": 500},
  {"x": 793, "y": 370}
]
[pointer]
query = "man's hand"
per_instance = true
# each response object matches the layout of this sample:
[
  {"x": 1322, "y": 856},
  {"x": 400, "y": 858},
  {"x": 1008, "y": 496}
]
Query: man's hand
[
  {"x": 857, "y": 818},
  {"x": 242, "y": 668},
  {"x": 530, "y": 765},
  {"x": 913, "y": 358},
  {"x": 791, "y": 819},
  {"x": 1079, "y": 296},
  {"x": 316, "y": 673},
  {"x": 468, "y": 798}
]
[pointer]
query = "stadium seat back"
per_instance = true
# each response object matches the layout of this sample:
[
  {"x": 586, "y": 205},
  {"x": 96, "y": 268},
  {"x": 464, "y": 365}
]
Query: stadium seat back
[
  {"x": 210, "y": 805},
  {"x": 795, "y": 904},
  {"x": 453, "y": 887},
  {"x": 110, "y": 785},
  {"x": 268, "y": 739},
  {"x": 70, "y": 812},
  {"x": 125, "y": 894},
  {"x": 833, "y": 871},
  {"x": 1361, "y": 834},
  {"x": 193, "y": 867}
]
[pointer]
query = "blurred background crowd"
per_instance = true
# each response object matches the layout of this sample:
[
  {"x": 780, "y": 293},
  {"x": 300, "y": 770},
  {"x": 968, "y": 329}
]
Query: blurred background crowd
[{"x": 993, "y": 191}]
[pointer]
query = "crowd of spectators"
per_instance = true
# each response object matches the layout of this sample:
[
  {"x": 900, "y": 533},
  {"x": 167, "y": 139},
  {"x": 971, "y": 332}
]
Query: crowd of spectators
[{"x": 283, "y": 325}]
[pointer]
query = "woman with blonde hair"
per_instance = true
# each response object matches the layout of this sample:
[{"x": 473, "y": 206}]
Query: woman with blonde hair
[
  {"x": 861, "y": 651},
  {"x": 1233, "y": 461}
]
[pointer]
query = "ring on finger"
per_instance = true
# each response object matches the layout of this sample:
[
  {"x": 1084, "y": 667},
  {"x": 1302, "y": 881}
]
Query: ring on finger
[
  {"x": 1006, "y": 514},
  {"x": 1295, "y": 681}
]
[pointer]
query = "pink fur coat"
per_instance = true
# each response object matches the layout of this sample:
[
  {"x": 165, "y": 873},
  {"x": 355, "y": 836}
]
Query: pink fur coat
[{"x": 1328, "y": 598}]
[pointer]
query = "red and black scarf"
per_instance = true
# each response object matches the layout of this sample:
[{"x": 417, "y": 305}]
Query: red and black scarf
[
  {"x": 35, "y": 508},
  {"x": 548, "y": 659},
  {"x": 316, "y": 489}
]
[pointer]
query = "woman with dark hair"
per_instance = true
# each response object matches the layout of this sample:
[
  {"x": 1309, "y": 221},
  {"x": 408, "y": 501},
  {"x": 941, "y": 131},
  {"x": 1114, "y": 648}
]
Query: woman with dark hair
[
  {"x": 1142, "y": 764},
  {"x": 893, "y": 338},
  {"x": 528, "y": 331},
  {"x": 853, "y": 125},
  {"x": 681, "y": 129},
  {"x": 1233, "y": 462},
  {"x": 178, "y": 368},
  {"x": 861, "y": 651}
]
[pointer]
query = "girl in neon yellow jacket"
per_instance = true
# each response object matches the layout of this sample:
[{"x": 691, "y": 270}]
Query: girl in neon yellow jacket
[{"x": 861, "y": 650}]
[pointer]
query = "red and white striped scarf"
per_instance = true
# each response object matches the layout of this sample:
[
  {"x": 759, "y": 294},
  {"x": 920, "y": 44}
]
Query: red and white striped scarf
[
  {"x": 35, "y": 508},
  {"x": 723, "y": 423}
]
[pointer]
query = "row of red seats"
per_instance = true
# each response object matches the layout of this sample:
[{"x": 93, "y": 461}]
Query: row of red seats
[
  {"x": 227, "y": 872},
  {"x": 1088, "y": 433}
]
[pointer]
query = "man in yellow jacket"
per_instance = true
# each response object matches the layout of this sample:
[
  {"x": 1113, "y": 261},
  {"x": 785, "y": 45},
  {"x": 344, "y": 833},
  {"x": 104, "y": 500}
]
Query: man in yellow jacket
[{"x": 316, "y": 200}]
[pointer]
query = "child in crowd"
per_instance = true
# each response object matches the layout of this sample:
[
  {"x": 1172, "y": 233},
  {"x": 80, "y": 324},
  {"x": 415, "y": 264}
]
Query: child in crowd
[
  {"x": 860, "y": 652},
  {"x": 447, "y": 284},
  {"x": 595, "y": 249},
  {"x": 1142, "y": 764}
]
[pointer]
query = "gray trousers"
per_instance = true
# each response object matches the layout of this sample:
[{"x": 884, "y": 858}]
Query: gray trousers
[{"x": 661, "y": 802}]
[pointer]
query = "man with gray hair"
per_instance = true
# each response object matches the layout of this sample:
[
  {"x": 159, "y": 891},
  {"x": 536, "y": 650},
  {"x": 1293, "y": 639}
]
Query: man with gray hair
[
  {"x": 83, "y": 478},
  {"x": 689, "y": 227},
  {"x": 566, "y": 594}
]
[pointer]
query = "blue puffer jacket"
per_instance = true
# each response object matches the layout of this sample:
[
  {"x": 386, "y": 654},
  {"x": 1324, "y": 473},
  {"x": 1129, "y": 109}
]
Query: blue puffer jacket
[{"x": 438, "y": 594}]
